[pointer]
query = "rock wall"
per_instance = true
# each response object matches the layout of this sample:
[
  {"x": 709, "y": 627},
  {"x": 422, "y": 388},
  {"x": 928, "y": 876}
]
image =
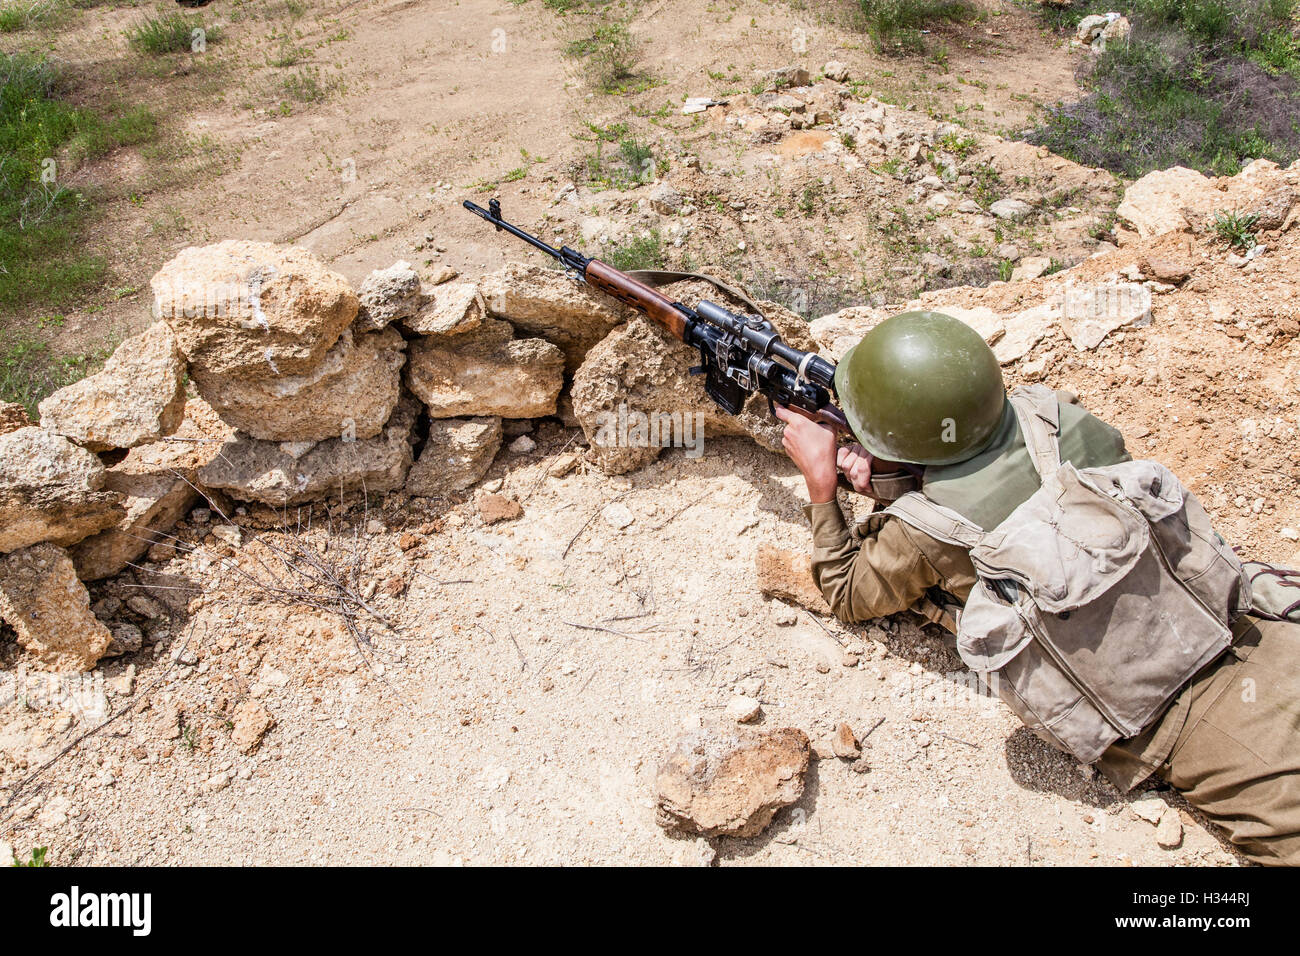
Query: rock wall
[{"x": 302, "y": 388}]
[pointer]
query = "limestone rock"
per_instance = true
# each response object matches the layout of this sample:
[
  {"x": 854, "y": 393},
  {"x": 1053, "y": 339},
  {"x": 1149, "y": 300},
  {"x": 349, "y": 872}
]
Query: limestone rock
[
  {"x": 138, "y": 397},
  {"x": 1275, "y": 207},
  {"x": 743, "y": 709},
  {"x": 352, "y": 391},
  {"x": 640, "y": 370},
  {"x": 252, "y": 308},
  {"x": 845, "y": 744},
  {"x": 49, "y": 609},
  {"x": 637, "y": 371},
  {"x": 1030, "y": 267},
  {"x": 458, "y": 453},
  {"x": 158, "y": 483},
  {"x": 1090, "y": 312},
  {"x": 1172, "y": 271},
  {"x": 252, "y": 721},
  {"x": 836, "y": 70},
  {"x": 486, "y": 372},
  {"x": 1149, "y": 807},
  {"x": 387, "y": 295},
  {"x": 250, "y": 469},
  {"x": 1169, "y": 832},
  {"x": 1154, "y": 204},
  {"x": 1116, "y": 31},
  {"x": 730, "y": 780},
  {"x": 1090, "y": 27},
  {"x": 1013, "y": 209},
  {"x": 126, "y": 638},
  {"x": 51, "y": 490},
  {"x": 450, "y": 309},
  {"x": 12, "y": 417},
  {"x": 787, "y": 575},
  {"x": 548, "y": 303},
  {"x": 665, "y": 200},
  {"x": 786, "y": 76}
]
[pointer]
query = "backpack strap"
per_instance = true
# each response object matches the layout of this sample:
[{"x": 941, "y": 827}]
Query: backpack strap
[
  {"x": 1039, "y": 413},
  {"x": 935, "y": 520}
]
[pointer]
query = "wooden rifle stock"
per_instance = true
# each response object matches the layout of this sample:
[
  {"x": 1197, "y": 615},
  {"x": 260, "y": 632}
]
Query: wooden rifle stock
[{"x": 638, "y": 295}]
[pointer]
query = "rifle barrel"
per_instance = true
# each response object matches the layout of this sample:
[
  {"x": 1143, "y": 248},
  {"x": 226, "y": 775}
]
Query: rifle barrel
[{"x": 513, "y": 230}]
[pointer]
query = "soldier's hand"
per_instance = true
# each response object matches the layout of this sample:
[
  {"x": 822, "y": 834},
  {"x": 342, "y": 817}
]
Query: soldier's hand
[
  {"x": 811, "y": 445},
  {"x": 856, "y": 463}
]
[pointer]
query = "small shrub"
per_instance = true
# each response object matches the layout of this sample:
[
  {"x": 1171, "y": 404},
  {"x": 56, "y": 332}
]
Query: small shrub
[
  {"x": 610, "y": 56},
  {"x": 1237, "y": 229},
  {"x": 630, "y": 164},
  {"x": 286, "y": 54},
  {"x": 641, "y": 252}
]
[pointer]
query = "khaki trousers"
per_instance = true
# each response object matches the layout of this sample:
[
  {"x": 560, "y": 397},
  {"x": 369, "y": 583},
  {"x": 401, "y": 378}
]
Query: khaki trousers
[{"x": 1237, "y": 757}]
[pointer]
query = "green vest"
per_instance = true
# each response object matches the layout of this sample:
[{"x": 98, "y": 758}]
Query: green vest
[{"x": 987, "y": 488}]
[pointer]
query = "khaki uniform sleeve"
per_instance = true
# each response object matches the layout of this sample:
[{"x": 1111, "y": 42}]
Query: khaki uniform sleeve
[{"x": 869, "y": 577}]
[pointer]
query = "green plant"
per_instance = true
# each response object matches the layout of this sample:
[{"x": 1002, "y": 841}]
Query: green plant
[
  {"x": 631, "y": 164},
  {"x": 307, "y": 86},
  {"x": 895, "y": 25},
  {"x": 171, "y": 33},
  {"x": 41, "y": 133},
  {"x": 1005, "y": 268},
  {"x": 21, "y": 15},
  {"x": 810, "y": 199},
  {"x": 639, "y": 252},
  {"x": 29, "y": 371},
  {"x": 1235, "y": 228},
  {"x": 960, "y": 146},
  {"x": 287, "y": 54},
  {"x": 1208, "y": 84},
  {"x": 36, "y": 859},
  {"x": 610, "y": 56}
]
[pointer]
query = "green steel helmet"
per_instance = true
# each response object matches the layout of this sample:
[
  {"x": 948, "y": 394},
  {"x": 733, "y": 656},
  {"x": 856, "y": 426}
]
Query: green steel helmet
[{"x": 923, "y": 388}]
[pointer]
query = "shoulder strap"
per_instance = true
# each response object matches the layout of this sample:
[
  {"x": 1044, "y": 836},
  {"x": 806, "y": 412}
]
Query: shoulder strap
[
  {"x": 935, "y": 520},
  {"x": 1039, "y": 413},
  {"x": 659, "y": 277}
]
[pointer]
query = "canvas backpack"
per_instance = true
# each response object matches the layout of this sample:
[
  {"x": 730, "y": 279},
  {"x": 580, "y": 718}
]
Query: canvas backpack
[
  {"x": 1274, "y": 591},
  {"x": 1097, "y": 598}
]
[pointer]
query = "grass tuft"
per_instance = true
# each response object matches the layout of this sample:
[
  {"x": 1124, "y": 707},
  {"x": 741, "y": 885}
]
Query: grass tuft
[
  {"x": 1237, "y": 229},
  {"x": 41, "y": 217},
  {"x": 29, "y": 371},
  {"x": 172, "y": 33},
  {"x": 895, "y": 25}
]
